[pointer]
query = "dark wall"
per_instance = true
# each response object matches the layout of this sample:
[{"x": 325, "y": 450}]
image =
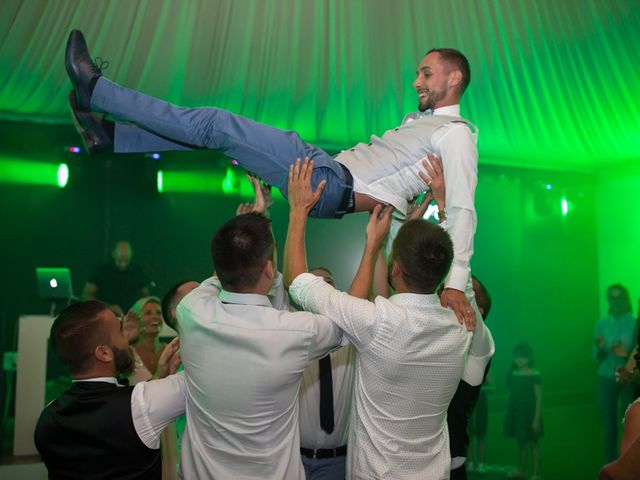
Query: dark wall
[{"x": 540, "y": 267}]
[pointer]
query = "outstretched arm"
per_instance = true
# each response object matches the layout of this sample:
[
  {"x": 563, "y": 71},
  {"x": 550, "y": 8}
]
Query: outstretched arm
[
  {"x": 377, "y": 230},
  {"x": 302, "y": 198}
]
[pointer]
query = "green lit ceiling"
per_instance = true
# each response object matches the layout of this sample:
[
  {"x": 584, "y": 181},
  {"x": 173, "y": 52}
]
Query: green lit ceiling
[{"x": 554, "y": 82}]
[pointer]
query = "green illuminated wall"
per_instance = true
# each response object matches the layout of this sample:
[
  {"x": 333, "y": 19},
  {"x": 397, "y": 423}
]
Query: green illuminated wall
[
  {"x": 554, "y": 81},
  {"x": 618, "y": 219}
]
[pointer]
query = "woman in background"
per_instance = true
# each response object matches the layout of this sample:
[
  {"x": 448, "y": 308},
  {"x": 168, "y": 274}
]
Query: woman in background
[{"x": 523, "y": 419}]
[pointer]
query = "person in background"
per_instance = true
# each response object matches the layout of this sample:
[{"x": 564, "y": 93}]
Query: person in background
[
  {"x": 119, "y": 282},
  {"x": 523, "y": 420},
  {"x": 614, "y": 338},
  {"x": 147, "y": 348},
  {"x": 469, "y": 398},
  {"x": 326, "y": 393}
]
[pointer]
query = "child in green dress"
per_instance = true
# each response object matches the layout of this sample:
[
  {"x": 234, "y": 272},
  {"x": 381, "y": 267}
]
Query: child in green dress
[{"x": 523, "y": 419}]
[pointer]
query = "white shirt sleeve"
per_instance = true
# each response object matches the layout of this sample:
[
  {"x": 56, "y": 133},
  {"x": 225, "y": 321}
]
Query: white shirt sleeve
[
  {"x": 356, "y": 317},
  {"x": 480, "y": 352},
  {"x": 459, "y": 153},
  {"x": 154, "y": 404}
]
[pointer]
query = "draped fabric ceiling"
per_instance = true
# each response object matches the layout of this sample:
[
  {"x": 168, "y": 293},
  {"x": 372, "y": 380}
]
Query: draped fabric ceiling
[{"x": 554, "y": 82}]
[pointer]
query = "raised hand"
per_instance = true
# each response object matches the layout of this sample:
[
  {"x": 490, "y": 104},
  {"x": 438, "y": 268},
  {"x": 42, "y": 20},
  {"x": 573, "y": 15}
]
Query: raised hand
[
  {"x": 457, "y": 301},
  {"x": 301, "y": 196},
  {"x": 169, "y": 360},
  {"x": 378, "y": 226}
]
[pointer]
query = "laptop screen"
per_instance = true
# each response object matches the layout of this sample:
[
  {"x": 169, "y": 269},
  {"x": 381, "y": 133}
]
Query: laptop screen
[{"x": 54, "y": 282}]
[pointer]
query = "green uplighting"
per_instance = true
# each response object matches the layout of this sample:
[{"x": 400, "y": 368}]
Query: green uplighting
[
  {"x": 565, "y": 206},
  {"x": 229, "y": 183},
  {"x": 26, "y": 172},
  {"x": 63, "y": 175},
  {"x": 159, "y": 181}
]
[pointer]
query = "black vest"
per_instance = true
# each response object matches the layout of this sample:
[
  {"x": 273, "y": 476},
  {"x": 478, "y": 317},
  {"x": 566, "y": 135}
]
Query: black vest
[{"x": 88, "y": 433}]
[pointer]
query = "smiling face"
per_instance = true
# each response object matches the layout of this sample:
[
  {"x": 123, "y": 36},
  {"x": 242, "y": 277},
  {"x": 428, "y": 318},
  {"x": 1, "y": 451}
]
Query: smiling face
[
  {"x": 151, "y": 318},
  {"x": 432, "y": 82}
]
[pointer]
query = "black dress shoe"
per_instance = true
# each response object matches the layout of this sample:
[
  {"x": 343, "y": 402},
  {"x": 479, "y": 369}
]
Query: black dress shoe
[
  {"x": 80, "y": 68},
  {"x": 90, "y": 127}
]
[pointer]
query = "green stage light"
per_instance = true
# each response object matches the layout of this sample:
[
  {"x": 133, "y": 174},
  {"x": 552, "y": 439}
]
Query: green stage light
[
  {"x": 26, "y": 172},
  {"x": 564, "y": 205},
  {"x": 63, "y": 175},
  {"x": 160, "y": 181},
  {"x": 232, "y": 183},
  {"x": 229, "y": 184}
]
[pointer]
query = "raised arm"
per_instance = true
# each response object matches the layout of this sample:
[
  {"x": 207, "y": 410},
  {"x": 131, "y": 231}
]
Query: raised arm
[
  {"x": 460, "y": 159},
  {"x": 301, "y": 198},
  {"x": 377, "y": 230}
]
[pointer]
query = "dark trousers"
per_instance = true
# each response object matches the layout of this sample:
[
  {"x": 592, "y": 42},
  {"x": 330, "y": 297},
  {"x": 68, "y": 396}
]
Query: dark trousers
[{"x": 459, "y": 473}]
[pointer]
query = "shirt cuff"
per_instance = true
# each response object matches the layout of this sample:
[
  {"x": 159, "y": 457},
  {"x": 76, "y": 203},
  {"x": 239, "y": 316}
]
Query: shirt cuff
[
  {"x": 457, "y": 278},
  {"x": 141, "y": 421}
]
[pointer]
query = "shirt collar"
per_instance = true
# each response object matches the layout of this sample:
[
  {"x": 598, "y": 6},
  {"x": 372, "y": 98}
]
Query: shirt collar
[
  {"x": 244, "y": 298},
  {"x": 415, "y": 299},
  {"x": 453, "y": 110},
  {"x": 113, "y": 380}
]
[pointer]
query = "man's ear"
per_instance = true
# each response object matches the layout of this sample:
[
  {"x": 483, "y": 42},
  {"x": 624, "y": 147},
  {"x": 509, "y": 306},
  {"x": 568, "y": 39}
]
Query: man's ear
[
  {"x": 395, "y": 269},
  {"x": 103, "y": 354},
  {"x": 269, "y": 270},
  {"x": 455, "y": 77}
]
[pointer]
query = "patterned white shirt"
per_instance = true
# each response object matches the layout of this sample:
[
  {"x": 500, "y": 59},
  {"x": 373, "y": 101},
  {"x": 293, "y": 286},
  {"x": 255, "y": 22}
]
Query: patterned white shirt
[{"x": 410, "y": 357}]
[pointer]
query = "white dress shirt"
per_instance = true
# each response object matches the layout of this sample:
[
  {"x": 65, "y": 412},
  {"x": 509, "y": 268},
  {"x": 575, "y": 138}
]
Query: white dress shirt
[
  {"x": 312, "y": 436},
  {"x": 409, "y": 361},
  {"x": 243, "y": 361},
  {"x": 387, "y": 170}
]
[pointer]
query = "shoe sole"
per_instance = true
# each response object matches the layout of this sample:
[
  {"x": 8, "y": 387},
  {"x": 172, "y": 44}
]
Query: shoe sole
[{"x": 88, "y": 141}]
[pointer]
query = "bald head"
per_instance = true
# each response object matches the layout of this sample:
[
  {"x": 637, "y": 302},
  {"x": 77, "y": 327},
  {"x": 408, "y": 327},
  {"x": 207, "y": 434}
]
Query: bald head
[{"x": 122, "y": 255}]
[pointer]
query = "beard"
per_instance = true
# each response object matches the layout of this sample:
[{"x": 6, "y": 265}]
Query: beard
[
  {"x": 433, "y": 97},
  {"x": 123, "y": 360}
]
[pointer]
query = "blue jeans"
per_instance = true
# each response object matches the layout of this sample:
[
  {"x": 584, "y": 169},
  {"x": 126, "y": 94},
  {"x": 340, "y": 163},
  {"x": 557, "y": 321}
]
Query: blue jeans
[
  {"x": 334, "y": 468},
  {"x": 263, "y": 150},
  {"x": 610, "y": 394}
]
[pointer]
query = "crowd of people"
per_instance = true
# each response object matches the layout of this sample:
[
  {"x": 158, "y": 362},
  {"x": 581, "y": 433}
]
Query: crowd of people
[{"x": 281, "y": 375}]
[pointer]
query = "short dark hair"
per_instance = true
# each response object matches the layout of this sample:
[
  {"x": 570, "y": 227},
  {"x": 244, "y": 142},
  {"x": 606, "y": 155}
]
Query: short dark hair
[
  {"x": 624, "y": 293},
  {"x": 240, "y": 249},
  {"x": 458, "y": 61},
  {"x": 424, "y": 252},
  {"x": 324, "y": 269},
  {"x": 167, "y": 300},
  {"x": 76, "y": 332},
  {"x": 483, "y": 299}
]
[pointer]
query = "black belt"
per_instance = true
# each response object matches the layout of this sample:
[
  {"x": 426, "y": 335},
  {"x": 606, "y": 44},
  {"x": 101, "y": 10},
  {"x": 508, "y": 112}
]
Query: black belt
[
  {"x": 324, "y": 452},
  {"x": 347, "y": 202}
]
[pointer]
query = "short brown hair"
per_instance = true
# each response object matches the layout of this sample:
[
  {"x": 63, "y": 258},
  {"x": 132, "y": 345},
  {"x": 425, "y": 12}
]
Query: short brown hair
[
  {"x": 240, "y": 249},
  {"x": 424, "y": 252},
  {"x": 77, "y": 332},
  {"x": 458, "y": 61}
]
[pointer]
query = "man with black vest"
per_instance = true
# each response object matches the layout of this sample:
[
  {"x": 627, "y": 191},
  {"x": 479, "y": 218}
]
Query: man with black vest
[{"x": 98, "y": 428}]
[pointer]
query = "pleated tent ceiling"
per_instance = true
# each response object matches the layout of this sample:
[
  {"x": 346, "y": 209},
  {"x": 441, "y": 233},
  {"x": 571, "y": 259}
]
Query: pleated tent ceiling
[{"x": 554, "y": 82}]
